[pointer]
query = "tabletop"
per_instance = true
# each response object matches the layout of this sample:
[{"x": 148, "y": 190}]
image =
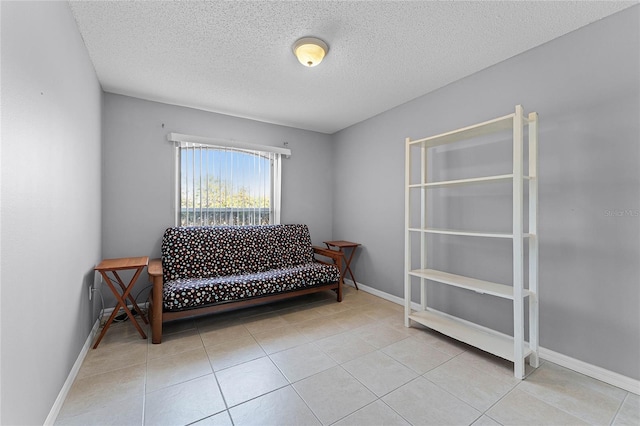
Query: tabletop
[
  {"x": 122, "y": 263},
  {"x": 342, "y": 243}
]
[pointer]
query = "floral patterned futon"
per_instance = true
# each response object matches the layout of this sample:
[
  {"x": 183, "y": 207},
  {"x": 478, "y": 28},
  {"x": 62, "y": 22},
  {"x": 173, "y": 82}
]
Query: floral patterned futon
[{"x": 210, "y": 265}]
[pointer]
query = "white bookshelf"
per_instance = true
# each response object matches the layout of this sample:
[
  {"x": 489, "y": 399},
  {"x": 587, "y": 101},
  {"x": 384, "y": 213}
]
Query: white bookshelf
[{"x": 513, "y": 348}]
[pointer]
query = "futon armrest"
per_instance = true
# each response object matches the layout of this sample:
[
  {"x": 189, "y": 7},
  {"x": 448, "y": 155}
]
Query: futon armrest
[
  {"x": 337, "y": 257},
  {"x": 333, "y": 254},
  {"x": 154, "y": 269}
]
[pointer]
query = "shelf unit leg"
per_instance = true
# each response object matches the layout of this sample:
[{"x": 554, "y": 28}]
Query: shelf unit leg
[
  {"x": 407, "y": 301},
  {"x": 423, "y": 225},
  {"x": 407, "y": 237},
  {"x": 518, "y": 242},
  {"x": 533, "y": 240},
  {"x": 534, "y": 360}
]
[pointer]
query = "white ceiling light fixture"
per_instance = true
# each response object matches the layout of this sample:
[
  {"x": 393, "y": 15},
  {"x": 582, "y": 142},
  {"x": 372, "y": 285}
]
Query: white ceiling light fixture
[{"x": 310, "y": 51}]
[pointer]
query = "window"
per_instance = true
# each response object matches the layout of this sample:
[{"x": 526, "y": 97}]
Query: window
[{"x": 226, "y": 182}]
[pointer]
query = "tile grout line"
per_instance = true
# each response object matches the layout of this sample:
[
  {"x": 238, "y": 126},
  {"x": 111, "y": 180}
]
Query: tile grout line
[
  {"x": 430, "y": 381},
  {"x": 215, "y": 377},
  {"x": 305, "y": 402},
  {"x": 482, "y": 412},
  {"x": 613, "y": 419},
  {"x": 549, "y": 404},
  {"x": 379, "y": 398},
  {"x": 445, "y": 390},
  {"x": 499, "y": 400},
  {"x": 626, "y": 396},
  {"x": 144, "y": 387},
  {"x": 391, "y": 408}
]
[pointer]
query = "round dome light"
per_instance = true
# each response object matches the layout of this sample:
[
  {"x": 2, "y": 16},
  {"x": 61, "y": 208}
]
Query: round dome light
[{"x": 310, "y": 51}]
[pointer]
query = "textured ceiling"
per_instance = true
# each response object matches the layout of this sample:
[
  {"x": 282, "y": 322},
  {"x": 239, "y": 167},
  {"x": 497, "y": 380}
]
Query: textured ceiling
[{"x": 235, "y": 57}]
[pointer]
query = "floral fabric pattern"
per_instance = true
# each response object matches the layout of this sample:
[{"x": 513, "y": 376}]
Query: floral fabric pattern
[{"x": 208, "y": 265}]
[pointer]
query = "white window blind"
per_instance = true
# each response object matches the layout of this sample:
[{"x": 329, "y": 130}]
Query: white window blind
[{"x": 226, "y": 182}]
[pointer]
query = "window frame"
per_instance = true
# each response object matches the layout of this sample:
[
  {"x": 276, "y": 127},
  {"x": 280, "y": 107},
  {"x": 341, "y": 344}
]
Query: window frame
[{"x": 181, "y": 141}]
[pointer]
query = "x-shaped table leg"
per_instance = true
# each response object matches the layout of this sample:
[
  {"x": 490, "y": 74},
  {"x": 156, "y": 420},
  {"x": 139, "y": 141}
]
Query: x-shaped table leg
[
  {"x": 342, "y": 245},
  {"x": 122, "y": 302},
  {"x": 348, "y": 269},
  {"x": 131, "y": 298}
]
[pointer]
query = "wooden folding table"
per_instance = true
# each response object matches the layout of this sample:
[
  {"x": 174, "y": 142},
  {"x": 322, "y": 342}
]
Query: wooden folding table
[
  {"x": 113, "y": 266},
  {"x": 341, "y": 245}
]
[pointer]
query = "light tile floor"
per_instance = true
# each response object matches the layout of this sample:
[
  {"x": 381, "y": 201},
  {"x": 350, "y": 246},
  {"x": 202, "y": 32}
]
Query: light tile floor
[{"x": 312, "y": 361}]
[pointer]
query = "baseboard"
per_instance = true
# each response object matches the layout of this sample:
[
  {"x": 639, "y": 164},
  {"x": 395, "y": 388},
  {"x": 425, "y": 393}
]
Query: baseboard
[
  {"x": 380, "y": 294},
  {"x": 599, "y": 373},
  {"x": 57, "y": 405},
  {"x": 593, "y": 371},
  {"x": 62, "y": 395}
]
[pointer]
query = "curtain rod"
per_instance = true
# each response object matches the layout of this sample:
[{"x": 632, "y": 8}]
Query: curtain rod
[{"x": 179, "y": 137}]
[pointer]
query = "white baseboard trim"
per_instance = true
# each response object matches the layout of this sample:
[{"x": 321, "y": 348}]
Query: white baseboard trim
[
  {"x": 376, "y": 292},
  {"x": 66, "y": 387},
  {"x": 598, "y": 373},
  {"x": 593, "y": 371},
  {"x": 62, "y": 395}
]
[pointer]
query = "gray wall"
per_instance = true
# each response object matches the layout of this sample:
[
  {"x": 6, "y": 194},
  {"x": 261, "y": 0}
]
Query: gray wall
[
  {"x": 586, "y": 88},
  {"x": 51, "y": 134},
  {"x": 139, "y": 172}
]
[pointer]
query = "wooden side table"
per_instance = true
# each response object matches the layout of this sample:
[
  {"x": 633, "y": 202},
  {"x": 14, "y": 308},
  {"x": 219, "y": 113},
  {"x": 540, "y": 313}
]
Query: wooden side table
[
  {"x": 113, "y": 266},
  {"x": 341, "y": 245}
]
